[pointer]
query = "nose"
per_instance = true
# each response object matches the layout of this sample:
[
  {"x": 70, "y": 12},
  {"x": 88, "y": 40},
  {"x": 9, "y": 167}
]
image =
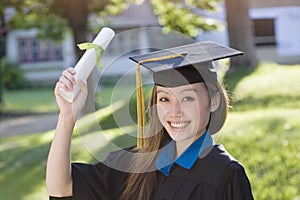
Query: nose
[{"x": 176, "y": 109}]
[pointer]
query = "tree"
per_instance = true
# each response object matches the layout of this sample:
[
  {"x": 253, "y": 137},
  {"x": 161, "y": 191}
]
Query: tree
[
  {"x": 2, "y": 50},
  {"x": 180, "y": 15},
  {"x": 240, "y": 33},
  {"x": 3, "y": 32},
  {"x": 54, "y": 17}
]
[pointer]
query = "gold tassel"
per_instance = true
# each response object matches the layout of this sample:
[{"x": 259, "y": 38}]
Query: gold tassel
[
  {"x": 140, "y": 108},
  {"x": 140, "y": 102}
]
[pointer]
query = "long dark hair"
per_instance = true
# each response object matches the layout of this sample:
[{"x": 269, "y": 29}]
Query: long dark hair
[{"x": 140, "y": 185}]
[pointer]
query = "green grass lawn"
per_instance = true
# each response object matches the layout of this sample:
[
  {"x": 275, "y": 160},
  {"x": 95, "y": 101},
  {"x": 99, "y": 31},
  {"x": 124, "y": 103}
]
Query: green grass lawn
[
  {"x": 28, "y": 100},
  {"x": 43, "y": 100},
  {"x": 262, "y": 132}
]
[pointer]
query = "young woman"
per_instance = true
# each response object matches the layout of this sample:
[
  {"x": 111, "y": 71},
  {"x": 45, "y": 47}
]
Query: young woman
[{"x": 177, "y": 158}]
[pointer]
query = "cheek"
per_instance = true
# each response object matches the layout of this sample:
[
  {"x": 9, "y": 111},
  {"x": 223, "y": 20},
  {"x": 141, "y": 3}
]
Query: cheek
[
  {"x": 200, "y": 111},
  {"x": 161, "y": 112},
  {"x": 204, "y": 112}
]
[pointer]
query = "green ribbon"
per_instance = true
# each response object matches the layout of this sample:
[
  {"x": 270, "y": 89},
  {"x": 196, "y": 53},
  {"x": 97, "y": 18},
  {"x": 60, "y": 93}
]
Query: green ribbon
[{"x": 98, "y": 50}]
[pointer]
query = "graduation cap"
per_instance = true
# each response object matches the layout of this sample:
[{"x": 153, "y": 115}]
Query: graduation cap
[{"x": 179, "y": 66}]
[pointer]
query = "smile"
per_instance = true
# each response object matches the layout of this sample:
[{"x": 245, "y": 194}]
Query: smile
[{"x": 179, "y": 124}]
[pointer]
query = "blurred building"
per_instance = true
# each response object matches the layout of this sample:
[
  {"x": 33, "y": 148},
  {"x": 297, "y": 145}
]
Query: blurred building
[
  {"x": 41, "y": 60},
  {"x": 276, "y": 30},
  {"x": 276, "y": 27}
]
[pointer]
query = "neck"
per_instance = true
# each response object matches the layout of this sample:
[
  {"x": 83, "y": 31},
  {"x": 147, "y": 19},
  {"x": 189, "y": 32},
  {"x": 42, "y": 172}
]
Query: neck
[{"x": 181, "y": 146}]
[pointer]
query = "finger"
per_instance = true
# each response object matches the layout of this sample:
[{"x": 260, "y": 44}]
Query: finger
[
  {"x": 71, "y": 70},
  {"x": 58, "y": 87},
  {"x": 69, "y": 76},
  {"x": 66, "y": 83}
]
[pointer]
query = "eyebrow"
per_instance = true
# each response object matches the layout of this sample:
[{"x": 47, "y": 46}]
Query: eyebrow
[
  {"x": 160, "y": 91},
  {"x": 188, "y": 90},
  {"x": 185, "y": 90}
]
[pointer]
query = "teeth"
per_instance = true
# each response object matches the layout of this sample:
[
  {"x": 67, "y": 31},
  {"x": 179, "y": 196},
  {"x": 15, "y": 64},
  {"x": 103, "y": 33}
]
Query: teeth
[{"x": 178, "y": 124}]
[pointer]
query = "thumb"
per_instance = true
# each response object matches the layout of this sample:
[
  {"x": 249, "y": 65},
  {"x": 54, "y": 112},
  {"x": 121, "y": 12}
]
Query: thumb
[
  {"x": 83, "y": 87},
  {"x": 82, "y": 83},
  {"x": 79, "y": 102}
]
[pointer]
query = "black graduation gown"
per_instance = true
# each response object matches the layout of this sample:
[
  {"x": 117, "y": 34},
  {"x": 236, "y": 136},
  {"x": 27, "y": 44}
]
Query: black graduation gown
[{"x": 215, "y": 176}]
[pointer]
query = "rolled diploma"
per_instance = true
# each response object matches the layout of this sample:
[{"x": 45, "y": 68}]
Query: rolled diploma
[{"x": 87, "y": 62}]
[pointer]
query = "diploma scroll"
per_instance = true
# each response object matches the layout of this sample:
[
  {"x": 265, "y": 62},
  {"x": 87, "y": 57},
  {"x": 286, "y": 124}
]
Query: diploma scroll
[{"x": 87, "y": 62}]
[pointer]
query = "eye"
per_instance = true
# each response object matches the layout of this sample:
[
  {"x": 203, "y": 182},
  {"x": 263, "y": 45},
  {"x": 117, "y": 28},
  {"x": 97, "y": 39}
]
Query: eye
[
  {"x": 163, "y": 99},
  {"x": 187, "y": 99}
]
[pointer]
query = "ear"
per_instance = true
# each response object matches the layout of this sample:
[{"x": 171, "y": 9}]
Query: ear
[{"x": 215, "y": 102}]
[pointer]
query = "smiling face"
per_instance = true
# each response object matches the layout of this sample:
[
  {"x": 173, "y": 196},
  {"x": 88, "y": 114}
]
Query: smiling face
[{"x": 184, "y": 111}]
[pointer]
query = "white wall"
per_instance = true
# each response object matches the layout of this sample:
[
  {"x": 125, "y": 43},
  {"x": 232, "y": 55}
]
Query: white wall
[
  {"x": 287, "y": 27},
  {"x": 40, "y": 71}
]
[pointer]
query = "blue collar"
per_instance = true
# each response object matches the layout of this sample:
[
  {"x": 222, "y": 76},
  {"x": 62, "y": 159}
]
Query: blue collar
[{"x": 187, "y": 159}]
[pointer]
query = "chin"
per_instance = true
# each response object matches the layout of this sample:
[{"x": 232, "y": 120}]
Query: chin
[{"x": 178, "y": 136}]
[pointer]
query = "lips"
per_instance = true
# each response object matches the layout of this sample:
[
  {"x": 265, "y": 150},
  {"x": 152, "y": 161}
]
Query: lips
[{"x": 178, "y": 124}]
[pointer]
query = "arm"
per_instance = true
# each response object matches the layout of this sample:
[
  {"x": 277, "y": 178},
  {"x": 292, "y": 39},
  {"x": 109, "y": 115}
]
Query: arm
[{"x": 58, "y": 173}]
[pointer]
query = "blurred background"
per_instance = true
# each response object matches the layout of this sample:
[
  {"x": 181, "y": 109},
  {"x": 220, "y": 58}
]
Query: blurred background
[{"x": 38, "y": 41}]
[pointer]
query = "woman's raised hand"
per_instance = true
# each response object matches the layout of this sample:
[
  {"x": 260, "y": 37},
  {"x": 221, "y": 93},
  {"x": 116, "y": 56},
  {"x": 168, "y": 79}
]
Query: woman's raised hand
[{"x": 67, "y": 82}]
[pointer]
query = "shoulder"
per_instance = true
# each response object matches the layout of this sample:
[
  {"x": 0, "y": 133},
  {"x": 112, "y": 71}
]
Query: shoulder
[
  {"x": 232, "y": 180},
  {"x": 113, "y": 160},
  {"x": 216, "y": 165},
  {"x": 96, "y": 181},
  {"x": 218, "y": 156},
  {"x": 120, "y": 160}
]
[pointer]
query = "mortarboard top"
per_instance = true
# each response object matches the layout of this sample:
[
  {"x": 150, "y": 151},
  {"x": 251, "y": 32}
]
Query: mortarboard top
[
  {"x": 194, "y": 53},
  {"x": 178, "y": 66},
  {"x": 182, "y": 65}
]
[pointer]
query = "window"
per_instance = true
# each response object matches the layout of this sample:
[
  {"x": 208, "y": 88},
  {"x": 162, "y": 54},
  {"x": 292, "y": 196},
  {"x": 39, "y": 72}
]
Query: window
[
  {"x": 34, "y": 50},
  {"x": 264, "y": 31}
]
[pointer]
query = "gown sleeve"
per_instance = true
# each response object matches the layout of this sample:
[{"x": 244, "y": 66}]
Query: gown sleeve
[
  {"x": 236, "y": 185},
  {"x": 95, "y": 182},
  {"x": 60, "y": 198},
  {"x": 89, "y": 182}
]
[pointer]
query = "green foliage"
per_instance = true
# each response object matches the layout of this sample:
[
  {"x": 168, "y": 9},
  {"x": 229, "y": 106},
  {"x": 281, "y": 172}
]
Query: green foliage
[
  {"x": 12, "y": 76},
  {"x": 17, "y": 4},
  {"x": 113, "y": 7},
  {"x": 52, "y": 18},
  {"x": 36, "y": 14},
  {"x": 204, "y": 4},
  {"x": 176, "y": 15}
]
